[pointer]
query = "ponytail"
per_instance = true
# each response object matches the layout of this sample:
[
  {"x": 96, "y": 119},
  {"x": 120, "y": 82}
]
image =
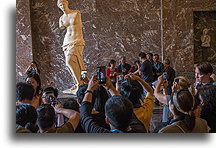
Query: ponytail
[{"x": 189, "y": 120}]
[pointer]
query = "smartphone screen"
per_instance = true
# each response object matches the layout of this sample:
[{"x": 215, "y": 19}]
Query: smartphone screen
[
  {"x": 83, "y": 74},
  {"x": 101, "y": 74}
]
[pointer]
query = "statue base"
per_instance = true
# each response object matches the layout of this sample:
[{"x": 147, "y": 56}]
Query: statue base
[{"x": 72, "y": 90}]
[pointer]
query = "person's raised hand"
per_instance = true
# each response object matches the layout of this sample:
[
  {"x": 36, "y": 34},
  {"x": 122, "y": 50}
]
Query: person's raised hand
[
  {"x": 175, "y": 86},
  {"x": 133, "y": 76},
  {"x": 93, "y": 83},
  {"x": 160, "y": 79},
  {"x": 57, "y": 107},
  {"x": 108, "y": 83}
]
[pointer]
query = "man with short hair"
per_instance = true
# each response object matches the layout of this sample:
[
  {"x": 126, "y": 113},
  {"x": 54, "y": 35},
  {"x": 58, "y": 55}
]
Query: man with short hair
[
  {"x": 123, "y": 67},
  {"x": 24, "y": 93},
  {"x": 169, "y": 75},
  {"x": 26, "y": 117},
  {"x": 158, "y": 67},
  {"x": 149, "y": 56},
  {"x": 203, "y": 72},
  {"x": 146, "y": 70},
  {"x": 47, "y": 119}
]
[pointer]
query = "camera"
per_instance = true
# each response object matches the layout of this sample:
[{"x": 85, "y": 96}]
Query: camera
[
  {"x": 31, "y": 71},
  {"x": 176, "y": 80},
  {"x": 101, "y": 74},
  {"x": 51, "y": 99}
]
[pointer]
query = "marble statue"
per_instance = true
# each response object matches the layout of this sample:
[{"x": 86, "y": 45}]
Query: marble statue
[
  {"x": 205, "y": 38},
  {"x": 73, "y": 44}
]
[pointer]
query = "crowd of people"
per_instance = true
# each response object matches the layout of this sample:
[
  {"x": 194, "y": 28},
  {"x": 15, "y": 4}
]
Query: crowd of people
[{"x": 123, "y": 103}]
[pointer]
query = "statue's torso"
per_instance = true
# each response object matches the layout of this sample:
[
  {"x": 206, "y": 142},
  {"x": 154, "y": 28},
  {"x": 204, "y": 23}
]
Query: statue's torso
[{"x": 73, "y": 23}]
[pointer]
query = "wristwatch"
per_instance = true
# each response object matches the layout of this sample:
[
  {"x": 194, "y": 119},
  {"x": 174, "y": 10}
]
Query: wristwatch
[{"x": 88, "y": 91}]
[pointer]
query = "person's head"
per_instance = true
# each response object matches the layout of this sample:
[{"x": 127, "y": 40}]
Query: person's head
[
  {"x": 112, "y": 63},
  {"x": 142, "y": 56},
  {"x": 123, "y": 60},
  {"x": 46, "y": 116},
  {"x": 205, "y": 31},
  {"x": 137, "y": 62},
  {"x": 62, "y": 4},
  {"x": 118, "y": 111},
  {"x": 34, "y": 64},
  {"x": 99, "y": 97},
  {"x": 156, "y": 58},
  {"x": 206, "y": 96},
  {"x": 181, "y": 105},
  {"x": 26, "y": 116},
  {"x": 203, "y": 72},
  {"x": 71, "y": 104},
  {"x": 181, "y": 82},
  {"x": 24, "y": 91},
  {"x": 132, "y": 90},
  {"x": 166, "y": 62},
  {"x": 34, "y": 80},
  {"x": 33, "y": 68},
  {"x": 149, "y": 56},
  {"x": 49, "y": 91}
]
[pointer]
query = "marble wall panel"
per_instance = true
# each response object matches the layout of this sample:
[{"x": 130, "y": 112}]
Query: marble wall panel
[
  {"x": 23, "y": 38},
  {"x": 178, "y": 31}
]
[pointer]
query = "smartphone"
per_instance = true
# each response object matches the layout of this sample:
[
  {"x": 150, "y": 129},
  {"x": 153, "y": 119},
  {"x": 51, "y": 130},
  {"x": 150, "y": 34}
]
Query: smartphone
[
  {"x": 83, "y": 74},
  {"x": 101, "y": 74},
  {"x": 120, "y": 78}
]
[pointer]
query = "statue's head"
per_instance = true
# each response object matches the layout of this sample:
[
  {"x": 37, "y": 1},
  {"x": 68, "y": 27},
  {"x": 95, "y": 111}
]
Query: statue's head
[
  {"x": 205, "y": 30},
  {"x": 62, "y": 4}
]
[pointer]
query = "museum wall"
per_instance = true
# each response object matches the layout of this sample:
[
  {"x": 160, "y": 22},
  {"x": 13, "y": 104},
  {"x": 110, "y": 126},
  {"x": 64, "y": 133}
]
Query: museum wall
[
  {"x": 178, "y": 32},
  {"x": 111, "y": 29},
  {"x": 23, "y": 37}
]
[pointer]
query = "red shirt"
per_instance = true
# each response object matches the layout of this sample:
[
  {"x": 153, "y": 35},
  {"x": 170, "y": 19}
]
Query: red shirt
[{"x": 110, "y": 73}]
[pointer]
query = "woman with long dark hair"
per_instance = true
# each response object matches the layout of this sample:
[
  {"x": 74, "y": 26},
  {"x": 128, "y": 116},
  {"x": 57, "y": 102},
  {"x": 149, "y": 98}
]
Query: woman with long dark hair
[{"x": 34, "y": 80}]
